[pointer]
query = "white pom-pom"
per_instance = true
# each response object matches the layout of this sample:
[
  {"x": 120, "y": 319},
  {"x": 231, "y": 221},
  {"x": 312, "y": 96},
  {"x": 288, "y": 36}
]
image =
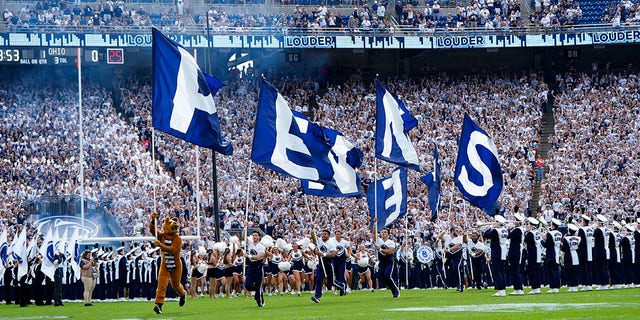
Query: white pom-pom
[
  {"x": 303, "y": 243},
  {"x": 311, "y": 265},
  {"x": 267, "y": 241},
  {"x": 281, "y": 244},
  {"x": 364, "y": 262},
  {"x": 219, "y": 246},
  {"x": 202, "y": 268},
  {"x": 284, "y": 266}
]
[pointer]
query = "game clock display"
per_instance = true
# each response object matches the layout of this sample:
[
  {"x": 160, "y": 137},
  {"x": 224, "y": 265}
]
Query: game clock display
[{"x": 60, "y": 56}]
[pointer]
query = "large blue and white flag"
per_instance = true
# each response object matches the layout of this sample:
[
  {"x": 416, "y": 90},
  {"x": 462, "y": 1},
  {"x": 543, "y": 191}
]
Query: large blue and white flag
[
  {"x": 289, "y": 143},
  {"x": 183, "y": 103},
  {"x": 478, "y": 174},
  {"x": 393, "y": 123},
  {"x": 432, "y": 180},
  {"x": 345, "y": 158},
  {"x": 19, "y": 252},
  {"x": 73, "y": 253},
  {"x": 4, "y": 250},
  {"x": 47, "y": 253},
  {"x": 391, "y": 198}
]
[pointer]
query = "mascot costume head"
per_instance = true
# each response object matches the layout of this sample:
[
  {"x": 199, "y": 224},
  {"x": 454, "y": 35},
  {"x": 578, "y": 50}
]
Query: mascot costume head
[{"x": 170, "y": 244}]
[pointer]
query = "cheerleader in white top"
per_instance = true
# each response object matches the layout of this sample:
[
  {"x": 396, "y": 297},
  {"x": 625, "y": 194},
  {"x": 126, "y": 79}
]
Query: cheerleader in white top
[
  {"x": 365, "y": 260},
  {"x": 296, "y": 258}
]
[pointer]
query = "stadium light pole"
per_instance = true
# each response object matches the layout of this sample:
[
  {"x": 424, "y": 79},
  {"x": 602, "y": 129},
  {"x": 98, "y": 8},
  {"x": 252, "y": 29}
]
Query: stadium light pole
[{"x": 79, "y": 66}]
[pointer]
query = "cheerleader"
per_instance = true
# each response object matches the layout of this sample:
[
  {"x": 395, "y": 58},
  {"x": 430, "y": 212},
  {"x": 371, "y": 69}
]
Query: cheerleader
[
  {"x": 365, "y": 262},
  {"x": 228, "y": 263},
  {"x": 212, "y": 262},
  {"x": 238, "y": 275},
  {"x": 195, "y": 274},
  {"x": 296, "y": 257},
  {"x": 309, "y": 269},
  {"x": 279, "y": 278},
  {"x": 350, "y": 261}
]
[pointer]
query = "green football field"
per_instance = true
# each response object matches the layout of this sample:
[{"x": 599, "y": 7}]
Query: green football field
[{"x": 413, "y": 304}]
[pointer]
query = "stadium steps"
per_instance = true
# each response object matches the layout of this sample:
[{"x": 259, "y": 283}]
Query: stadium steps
[
  {"x": 525, "y": 10},
  {"x": 547, "y": 129}
]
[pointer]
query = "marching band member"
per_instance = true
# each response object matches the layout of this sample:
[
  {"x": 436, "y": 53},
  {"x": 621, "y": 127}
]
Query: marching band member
[
  {"x": 515, "y": 255},
  {"x": 120, "y": 265},
  {"x": 627, "y": 245},
  {"x": 386, "y": 248},
  {"x": 615, "y": 267},
  {"x": 405, "y": 262},
  {"x": 340, "y": 261},
  {"x": 601, "y": 253},
  {"x": 255, "y": 272},
  {"x": 326, "y": 251},
  {"x": 498, "y": 246},
  {"x": 551, "y": 243},
  {"x": 477, "y": 259},
  {"x": 585, "y": 253},
  {"x": 636, "y": 252},
  {"x": 534, "y": 254},
  {"x": 571, "y": 261}
]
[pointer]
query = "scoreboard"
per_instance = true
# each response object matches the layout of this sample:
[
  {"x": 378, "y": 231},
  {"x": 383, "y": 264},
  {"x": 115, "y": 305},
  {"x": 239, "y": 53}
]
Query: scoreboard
[{"x": 61, "y": 55}]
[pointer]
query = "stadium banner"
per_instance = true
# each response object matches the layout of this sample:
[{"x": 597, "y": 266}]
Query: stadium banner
[{"x": 347, "y": 41}]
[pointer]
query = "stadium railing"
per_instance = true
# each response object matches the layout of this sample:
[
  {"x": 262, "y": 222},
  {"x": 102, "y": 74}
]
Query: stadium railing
[{"x": 287, "y": 31}]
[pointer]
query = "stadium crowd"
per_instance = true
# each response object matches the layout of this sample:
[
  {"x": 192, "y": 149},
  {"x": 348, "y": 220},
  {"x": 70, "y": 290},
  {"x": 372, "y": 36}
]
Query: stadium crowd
[
  {"x": 91, "y": 17},
  {"x": 115, "y": 16},
  {"x": 594, "y": 168},
  {"x": 40, "y": 149}
]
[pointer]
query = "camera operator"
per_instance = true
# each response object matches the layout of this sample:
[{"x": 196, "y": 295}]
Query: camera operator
[{"x": 89, "y": 274}]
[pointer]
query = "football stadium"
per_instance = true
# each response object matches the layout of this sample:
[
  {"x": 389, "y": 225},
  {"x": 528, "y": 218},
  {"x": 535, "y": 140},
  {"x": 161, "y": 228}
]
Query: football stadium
[{"x": 309, "y": 159}]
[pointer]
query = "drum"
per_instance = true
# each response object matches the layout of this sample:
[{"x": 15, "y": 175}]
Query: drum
[{"x": 425, "y": 255}]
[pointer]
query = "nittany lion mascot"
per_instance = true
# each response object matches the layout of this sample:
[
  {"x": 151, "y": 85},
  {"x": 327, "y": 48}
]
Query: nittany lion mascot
[{"x": 170, "y": 244}]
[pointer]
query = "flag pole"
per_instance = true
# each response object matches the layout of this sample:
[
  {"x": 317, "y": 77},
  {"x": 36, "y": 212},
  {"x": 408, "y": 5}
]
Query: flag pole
[
  {"x": 375, "y": 184},
  {"x": 213, "y": 152},
  {"x": 246, "y": 218},
  {"x": 198, "y": 223},
  {"x": 313, "y": 233},
  {"x": 198, "y": 217},
  {"x": 406, "y": 249},
  {"x": 79, "y": 64},
  {"x": 154, "y": 177}
]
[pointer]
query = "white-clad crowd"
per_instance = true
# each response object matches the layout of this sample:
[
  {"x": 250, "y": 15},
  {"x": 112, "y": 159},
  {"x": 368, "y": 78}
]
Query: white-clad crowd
[
  {"x": 594, "y": 162},
  {"x": 119, "y": 171}
]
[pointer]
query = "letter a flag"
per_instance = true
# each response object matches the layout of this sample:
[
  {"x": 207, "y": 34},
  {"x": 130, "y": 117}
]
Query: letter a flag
[
  {"x": 183, "y": 103},
  {"x": 391, "y": 197},
  {"x": 393, "y": 123},
  {"x": 478, "y": 174},
  {"x": 288, "y": 142}
]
